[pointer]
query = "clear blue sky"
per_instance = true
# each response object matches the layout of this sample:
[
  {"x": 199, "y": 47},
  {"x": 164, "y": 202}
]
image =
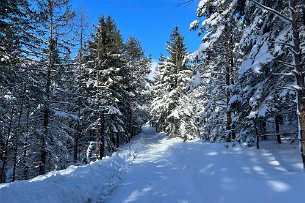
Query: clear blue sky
[{"x": 150, "y": 21}]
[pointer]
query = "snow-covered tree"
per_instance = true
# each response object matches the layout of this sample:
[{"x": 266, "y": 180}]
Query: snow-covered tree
[
  {"x": 258, "y": 92},
  {"x": 221, "y": 27},
  {"x": 55, "y": 18},
  {"x": 169, "y": 90},
  {"x": 52, "y": 107},
  {"x": 138, "y": 67},
  {"x": 17, "y": 47},
  {"x": 288, "y": 34}
]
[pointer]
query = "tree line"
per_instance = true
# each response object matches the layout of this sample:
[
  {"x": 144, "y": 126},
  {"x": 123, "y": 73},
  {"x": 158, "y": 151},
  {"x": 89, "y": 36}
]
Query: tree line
[
  {"x": 245, "y": 83},
  {"x": 58, "y": 109}
]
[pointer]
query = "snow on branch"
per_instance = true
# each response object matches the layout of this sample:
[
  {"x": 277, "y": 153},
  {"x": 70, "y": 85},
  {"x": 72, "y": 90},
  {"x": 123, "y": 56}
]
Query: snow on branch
[
  {"x": 283, "y": 17},
  {"x": 285, "y": 63},
  {"x": 284, "y": 74}
]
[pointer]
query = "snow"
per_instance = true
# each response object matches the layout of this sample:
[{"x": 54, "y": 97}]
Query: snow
[
  {"x": 76, "y": 183},
  {"x": 155, "y": 168},
  {"x": 153, "y": 67},
  {"x": 9, "y": 97},
  {"x": 194, "y": 25},
  {"x": 263, "y": 111},
  {"x": 112, "y": 110},
  {"x": 176, "y": 171},
  {"x": 90, "y": 82},
  {"x": 63, "y": 114},
  {"x": 259, "y": 57},
  {"x": 195, "y": 81}
]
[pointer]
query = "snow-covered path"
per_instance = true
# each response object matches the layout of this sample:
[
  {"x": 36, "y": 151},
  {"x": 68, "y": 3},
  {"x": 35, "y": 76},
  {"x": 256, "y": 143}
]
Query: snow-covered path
[
  {"x": 174, "y": 171},
  {"x": 154, "y": 169}
]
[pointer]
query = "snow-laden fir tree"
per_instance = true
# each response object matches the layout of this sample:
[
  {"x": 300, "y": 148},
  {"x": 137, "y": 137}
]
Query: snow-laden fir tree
[
  {"x": 114, "y": 79},
  {"x": 138, "y": 67},
  {"x": 259, "y": 92},
  {"x": 17, "y": 48},
  {"x": 55, "y": 18},
  {"x": 221, "y": 27},
  {"x": 287, "y": 28},
  {"x": 169, "y": 109},
  {"x": 105, "y": 87}
]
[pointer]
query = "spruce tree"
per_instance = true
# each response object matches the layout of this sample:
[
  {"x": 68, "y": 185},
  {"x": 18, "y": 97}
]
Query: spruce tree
[
  {"x": 222, "y": 27},
  {"x": 16, "y": 39},
  {"x": 290, "y": 16},
  {"x": 170, "y": 87},
  {"x": 55, "y": 23},
  {"x": 138, "y": 67},
  {"x": 106, "y": 86}
]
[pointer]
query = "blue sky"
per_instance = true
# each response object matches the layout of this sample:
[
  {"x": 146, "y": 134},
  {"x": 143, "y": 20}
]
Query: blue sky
[{"x": 150, "y": 21}]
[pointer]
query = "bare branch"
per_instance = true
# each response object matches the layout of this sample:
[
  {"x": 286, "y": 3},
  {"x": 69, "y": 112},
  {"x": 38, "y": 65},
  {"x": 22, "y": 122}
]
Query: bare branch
[{"x": 185, "y": 2}]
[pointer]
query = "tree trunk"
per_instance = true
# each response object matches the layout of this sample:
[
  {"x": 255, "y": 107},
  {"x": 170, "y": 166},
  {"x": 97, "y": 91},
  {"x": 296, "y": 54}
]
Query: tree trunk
[
  {"x": 16, "y": 142},
  {"x": 76, "y": 145},
  {"x": 102, "y": 147},
  {"x": 197, "y": 127},
  {"x": 77, "y": 137},
  {"x": 51, "y": 43},
  {"x": 157, "y": 128},
  {"x": 228, "y": 126},
  {"x": 25, "y": 175},
  {"x": 5, "y": 153},
  {"x": 100, "y": 142},
  {"x": 229, "y": 79},
  {"x": 257, "y": 134},
  {"x": 263, "y": 126},
  {"x": 43, "y": 153},
  {"x": 277, "y": 129},
  {"x": 174, "y": 128},
  {"x": 130, "y": 134},
  {"x": 299, "y": 77}
]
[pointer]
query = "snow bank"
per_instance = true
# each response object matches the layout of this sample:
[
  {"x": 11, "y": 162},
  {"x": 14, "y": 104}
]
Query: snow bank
[{"x": 76, "y": 183}]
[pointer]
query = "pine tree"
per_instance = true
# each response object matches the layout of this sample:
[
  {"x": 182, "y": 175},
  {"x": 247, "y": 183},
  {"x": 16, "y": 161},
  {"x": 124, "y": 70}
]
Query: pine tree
[
  {"x": 16, "y": 39},
  {"x": 55, "y": 24},
  {"x": 160, "y": 88},
  {"x": 291, "y": 38},
  {"x": 170, "y": 87},
  {"x": 106, "y": 86},
  {"x": 222, "y": 28},
  {"x": 138, "y": 67}
]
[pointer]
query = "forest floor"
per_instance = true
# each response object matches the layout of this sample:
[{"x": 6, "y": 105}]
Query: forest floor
[{"x": 154, "y": 168}]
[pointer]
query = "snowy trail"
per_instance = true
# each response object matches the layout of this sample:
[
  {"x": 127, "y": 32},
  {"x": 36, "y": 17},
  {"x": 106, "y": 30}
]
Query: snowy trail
[
  {"x": 149, "y": 179},
  {"x": 153, "y": 168},
  {"x": 175, "y": 171}
]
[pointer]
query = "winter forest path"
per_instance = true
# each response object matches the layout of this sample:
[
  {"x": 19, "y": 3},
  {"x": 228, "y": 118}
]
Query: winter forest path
[{"x": 169, "y": 170}]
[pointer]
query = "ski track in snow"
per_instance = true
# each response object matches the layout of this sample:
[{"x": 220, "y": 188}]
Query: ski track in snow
[{"x": 190, "y": 172}]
